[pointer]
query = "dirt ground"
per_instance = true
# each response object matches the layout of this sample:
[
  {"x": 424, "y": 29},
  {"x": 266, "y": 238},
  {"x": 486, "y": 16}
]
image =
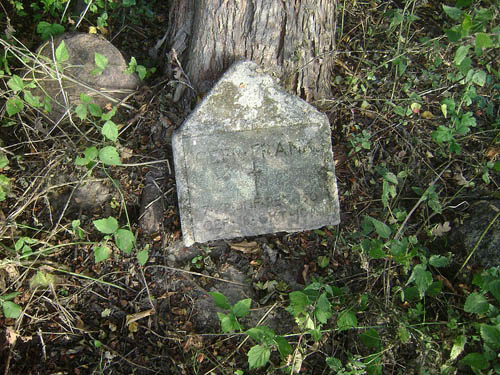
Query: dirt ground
[{"x": 118, "y": 317}]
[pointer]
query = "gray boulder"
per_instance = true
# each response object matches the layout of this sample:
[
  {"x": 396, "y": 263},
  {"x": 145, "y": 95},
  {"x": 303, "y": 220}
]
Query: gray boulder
[
  {"x": 466, "y": 236},
  {"x": 77, "y": 74}
]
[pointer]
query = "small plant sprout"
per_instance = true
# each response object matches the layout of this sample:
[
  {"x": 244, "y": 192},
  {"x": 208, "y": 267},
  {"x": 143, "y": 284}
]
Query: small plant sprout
[{"x": 124, "y": 238}]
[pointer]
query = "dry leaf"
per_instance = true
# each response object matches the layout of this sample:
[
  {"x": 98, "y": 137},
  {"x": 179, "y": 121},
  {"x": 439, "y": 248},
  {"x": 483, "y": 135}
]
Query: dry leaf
[
  {"x": 193, "y": 341},
  {"x": 245, "y": 247},
  {"x": 427, "y": 115},
  {"x": 441, "y": 229},
  {"x": 131, "y": 318},
  {"x": 179, "y": 311},
  {"x": 11, "y": 335},
  {"x": 492, "y": 153},
  {"x": 460, "y": 179},
  {"x": 126, "y": 152},
  {"x": 133, "y": 327}
]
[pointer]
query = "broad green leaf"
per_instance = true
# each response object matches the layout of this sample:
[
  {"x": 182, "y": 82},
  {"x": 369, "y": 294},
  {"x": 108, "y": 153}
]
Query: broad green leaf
[
  {"x": 109, "y": 155},
  {"x": 3, "y": 161},
  {"x": 373, "y": 247},
  {"x": 467, "y": 120},
  {"x": 494, "y": 289},
  {"x": 11, "y": 310},
  {"x": 283, "y": 346},
  {"x": 125, "y": 240},
  {"x": 475, "y": 360},
  {"x": 483, "y": 40},
  {"x": 434, "y": 205},
  {"x": 403, "y": 334},
  {"x": 466, "y": 25},
  {"x": 33, "y": 101},
  {"x": 455, "y": 33},
  {"x": 334, "y": 363},
  {"x": 346, "y": 320},
  {"x": 81, "y": 111},
  {"x": 491, "y": 335},
  {"x": 458, "y": 347},
  {"x": 323, "y": 310},
  {"x": 90, "y": 154},
  {"x": 141, "y": 71},
  {"x": 401, "y": 111},
  {"x": 421, "y": 277},
  {"x": 42, "y": 280},
  {"x": 370, "y": 338},
  {"x": 261, "y": 334},
  {"x": 435, "y": 288},
  {"x": 258, "y": 356},
  {"x": 241, "y": 308},
  {"x": 444, "y": 110},
  {"x": 479, "y": 78},
  {"x": 46, "y": 30},
  {"x": 95, "y": 110},
  {"x": 101, "y": 61},
  {"x": 496, "y": 166},
  {"x": 228, "y": 322},
  {"x": 442, "y": 134},
  {"x": 109, "y": 115},
  {"x": 14, "y": 105},
  {"x": 62, "y": 52},
  {"x": 439, "y": 261},
  {"x": 391, "y": 177},
  {"x": 128, "y": 3},
  {"x": 220, "y": 300},
  {"x": 110, "y": 130},
  {"x": 142, "y": 257},
  {"x": 22, "y": 244},
  {"x": 315, "y": 334},
  {"x": 323, "y": 261},
  {"x": 15, "y": 83},
  {"x": 382, "y": 229},
  {"x": 131, "y": 66},
  {"x": 85, "y": 98},
  {"x": 452, "y": 12},
  {"x": 476, "y": 303},
  {"x": 101, "y": 253},
  {"x": 461, "y": 54},
  {"x": 9, "y": 296},
  {"x": 108, "y": 225},
  {"x": 77, "y": 231},
  {"x": 299, "y": 299},
  {"x": 366, "y": 226}
]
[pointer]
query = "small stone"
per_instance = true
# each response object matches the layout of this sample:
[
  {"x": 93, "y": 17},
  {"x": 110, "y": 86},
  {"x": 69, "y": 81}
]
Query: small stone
[
  {"x": 76, "y": 75},
  {"x": 252, "y": 159}
]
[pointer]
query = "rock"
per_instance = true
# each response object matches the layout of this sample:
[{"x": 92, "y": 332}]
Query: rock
[
  {"x": 152, "y": 204},
  {"x": 465, "y": 237},
  {"x": 178, "y": 254},
  {"x": 111, "y": 86},
  {"x": 252, "y": 159}
]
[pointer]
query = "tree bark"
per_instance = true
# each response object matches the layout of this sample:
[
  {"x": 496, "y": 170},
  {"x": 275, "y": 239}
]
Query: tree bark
[{"x": 292, "y": 39}]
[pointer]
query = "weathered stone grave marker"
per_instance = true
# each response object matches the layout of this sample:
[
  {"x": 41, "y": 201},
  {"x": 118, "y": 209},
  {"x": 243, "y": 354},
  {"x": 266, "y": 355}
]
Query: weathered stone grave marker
[{"x": 252, "y": 159}]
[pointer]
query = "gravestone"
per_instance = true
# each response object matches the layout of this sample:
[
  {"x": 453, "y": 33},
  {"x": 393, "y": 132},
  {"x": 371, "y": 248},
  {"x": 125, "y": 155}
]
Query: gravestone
[{"x": 252, "y": 159}]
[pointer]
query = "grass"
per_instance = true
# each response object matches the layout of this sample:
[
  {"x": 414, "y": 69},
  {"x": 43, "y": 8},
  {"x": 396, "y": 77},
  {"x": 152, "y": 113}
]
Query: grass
[{"x": 415, "y": 116}]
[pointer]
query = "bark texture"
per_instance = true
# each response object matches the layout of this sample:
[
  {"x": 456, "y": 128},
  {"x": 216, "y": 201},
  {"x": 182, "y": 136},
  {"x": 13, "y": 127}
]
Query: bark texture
[{"x": 292, "y": 39}]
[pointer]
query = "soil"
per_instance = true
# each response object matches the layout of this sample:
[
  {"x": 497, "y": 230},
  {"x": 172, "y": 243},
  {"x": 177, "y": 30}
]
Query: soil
[{"x": 118, "y": 317}]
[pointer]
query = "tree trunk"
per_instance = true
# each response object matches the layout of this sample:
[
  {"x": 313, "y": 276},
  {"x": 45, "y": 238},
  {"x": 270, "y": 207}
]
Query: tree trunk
[{"x": 292, "y": 39}]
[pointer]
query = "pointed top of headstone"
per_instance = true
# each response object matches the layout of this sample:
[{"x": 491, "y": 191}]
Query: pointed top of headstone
[
  {"x": 246, "y": 98},
  {"x": 253, "y": 159}
]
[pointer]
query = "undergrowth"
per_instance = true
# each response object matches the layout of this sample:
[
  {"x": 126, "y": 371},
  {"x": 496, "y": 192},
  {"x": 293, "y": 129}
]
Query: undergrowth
[{"x": 415, "y": 118}]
